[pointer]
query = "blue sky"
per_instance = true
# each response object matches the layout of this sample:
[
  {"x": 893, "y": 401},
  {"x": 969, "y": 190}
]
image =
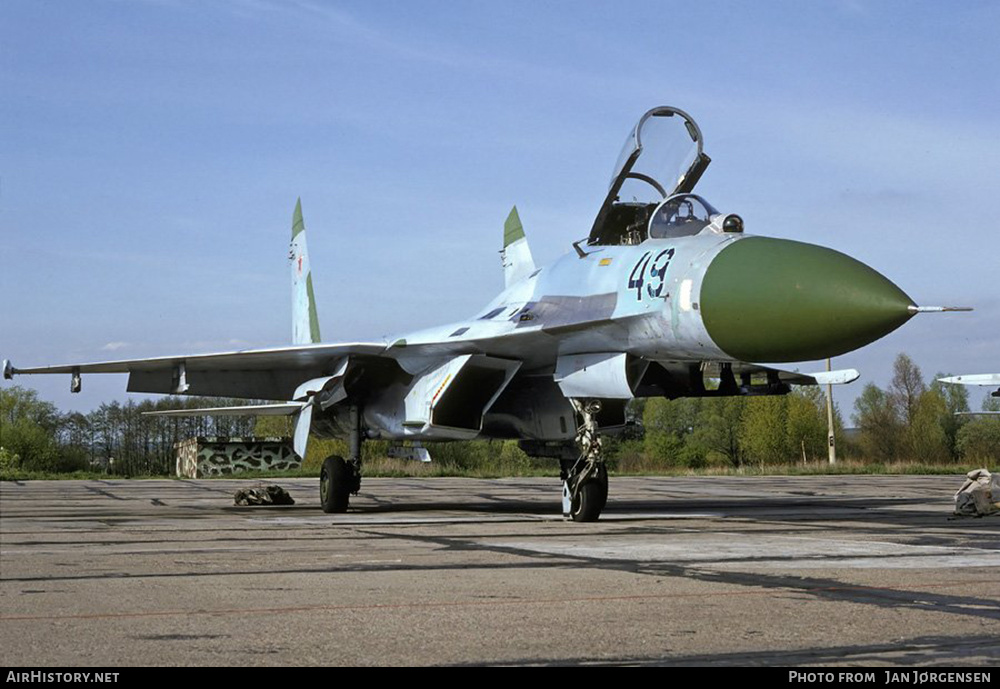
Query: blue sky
[{"x": 151, "y": 154}]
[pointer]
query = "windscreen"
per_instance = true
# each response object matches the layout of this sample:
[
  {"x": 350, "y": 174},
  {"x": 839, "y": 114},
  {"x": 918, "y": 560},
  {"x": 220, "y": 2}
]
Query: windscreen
[
  {"x": 668, "y": 152},
  {"x": 662, "y": 156}
]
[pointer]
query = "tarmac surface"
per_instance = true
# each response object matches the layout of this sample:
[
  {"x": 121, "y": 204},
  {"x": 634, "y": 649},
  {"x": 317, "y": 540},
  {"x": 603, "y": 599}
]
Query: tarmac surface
[{"x": 807, "y": 571}]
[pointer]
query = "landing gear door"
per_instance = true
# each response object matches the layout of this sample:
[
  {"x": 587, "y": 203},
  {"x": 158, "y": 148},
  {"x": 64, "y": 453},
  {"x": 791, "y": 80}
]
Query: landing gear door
[{"x": 662, "y": 156}]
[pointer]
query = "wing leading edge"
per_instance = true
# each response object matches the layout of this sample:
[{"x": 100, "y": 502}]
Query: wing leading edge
[{"x": 250, "y": 374}]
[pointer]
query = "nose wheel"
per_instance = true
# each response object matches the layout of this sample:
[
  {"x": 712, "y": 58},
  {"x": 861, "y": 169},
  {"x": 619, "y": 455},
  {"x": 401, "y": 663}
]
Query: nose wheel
[{"x": 585, "y": 481}]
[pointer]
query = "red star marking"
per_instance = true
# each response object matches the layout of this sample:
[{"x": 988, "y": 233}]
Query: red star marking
[{"x": 300, "y": 265}]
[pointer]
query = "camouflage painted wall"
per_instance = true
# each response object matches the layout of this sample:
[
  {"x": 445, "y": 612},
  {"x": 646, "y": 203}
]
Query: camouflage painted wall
[{"x": 201, "y": 457}]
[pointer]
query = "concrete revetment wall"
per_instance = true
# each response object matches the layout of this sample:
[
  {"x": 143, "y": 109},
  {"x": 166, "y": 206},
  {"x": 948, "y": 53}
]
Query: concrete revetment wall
[{"x": 218, "y": 456}]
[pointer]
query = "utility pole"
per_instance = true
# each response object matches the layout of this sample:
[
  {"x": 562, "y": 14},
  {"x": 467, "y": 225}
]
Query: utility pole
[{"x": 829, "y": 419}]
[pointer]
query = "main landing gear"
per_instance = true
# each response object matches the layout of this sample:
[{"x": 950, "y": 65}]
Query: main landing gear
[
  {"x": 585, "y": 481},
  {"x": 340, "y": 478}
]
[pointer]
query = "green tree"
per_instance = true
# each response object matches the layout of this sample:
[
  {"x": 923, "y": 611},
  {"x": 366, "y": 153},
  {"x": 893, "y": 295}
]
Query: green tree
[
  {"x": 806, "y": 422},
  {"x": 274, "y": 427},
  {"x": 669, "y": 426},
  {"x": 8, "y": 460},
  {"x": 956, "y": 399},
  {"x": 763, "y": 437},
  {"x": 22, "y": 404},
  {"x": 978, "y": 441},
  {"x": 905, "y": 389},
  {"x": 718, "y": 429},
  {"x": 879, "y": 426},
  {"x": 926, "y": 437},
  {"x": 28, "y": 428}
]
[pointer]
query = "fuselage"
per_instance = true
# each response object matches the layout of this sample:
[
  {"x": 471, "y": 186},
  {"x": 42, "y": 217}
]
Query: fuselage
[
  {"x": 708, "y": 297},
  {"x": 713, "y": 297}
]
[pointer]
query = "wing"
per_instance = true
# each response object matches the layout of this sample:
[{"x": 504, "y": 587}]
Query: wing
[
  {"x": 250, "y": 374},
  {"x": 989, "y": 379},
  {"x": 281, "y": 409},
  {"x": 973, "y": 379},
  {"x": 278, "y": 373}
]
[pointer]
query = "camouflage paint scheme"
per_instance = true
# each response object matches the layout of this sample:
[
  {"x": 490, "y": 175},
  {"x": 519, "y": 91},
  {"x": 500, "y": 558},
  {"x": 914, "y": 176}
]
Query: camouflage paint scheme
[{"x": 217, "y": 456}]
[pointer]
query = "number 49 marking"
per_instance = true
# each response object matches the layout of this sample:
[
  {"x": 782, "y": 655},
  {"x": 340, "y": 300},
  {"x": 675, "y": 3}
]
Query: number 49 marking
[{"x": 654, "y": 279}]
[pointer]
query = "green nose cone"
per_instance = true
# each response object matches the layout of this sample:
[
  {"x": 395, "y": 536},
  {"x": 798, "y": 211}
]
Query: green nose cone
[{"x": 777, "y": 300}]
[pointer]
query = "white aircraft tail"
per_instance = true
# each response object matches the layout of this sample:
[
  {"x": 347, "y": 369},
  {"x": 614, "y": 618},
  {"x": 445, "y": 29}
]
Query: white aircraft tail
[
  {"x": 516, "y": 254},
  {"x": 305, "y": 330},
  {"x": 305, "y": 321}
]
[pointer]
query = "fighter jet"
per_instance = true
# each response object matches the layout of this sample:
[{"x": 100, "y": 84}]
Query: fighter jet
[
  {"x": 666, "y": 296},
  {"x": 988, "y": 379}
]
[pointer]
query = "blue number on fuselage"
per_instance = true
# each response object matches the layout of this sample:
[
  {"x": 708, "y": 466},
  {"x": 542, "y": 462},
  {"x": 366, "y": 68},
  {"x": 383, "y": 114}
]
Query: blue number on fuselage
[
  {"x": 640, "y": 271},
  {"x": 657, "y": 273}
]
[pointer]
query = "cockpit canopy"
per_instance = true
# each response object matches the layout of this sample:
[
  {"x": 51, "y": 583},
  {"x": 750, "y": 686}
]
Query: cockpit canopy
[
  {"x": 662, "y": 157},
  {"x": 681, "y": 215}
]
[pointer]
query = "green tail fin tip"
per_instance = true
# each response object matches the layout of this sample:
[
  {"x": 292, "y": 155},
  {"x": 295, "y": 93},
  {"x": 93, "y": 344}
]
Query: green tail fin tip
[{"x": 512, "y": 228}]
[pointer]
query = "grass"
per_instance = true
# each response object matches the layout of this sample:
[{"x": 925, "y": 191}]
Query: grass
[
  {"x": 847, "y": 467},
  {"x": 385, "y": 467},
  {"x": 28, "y": 475}
]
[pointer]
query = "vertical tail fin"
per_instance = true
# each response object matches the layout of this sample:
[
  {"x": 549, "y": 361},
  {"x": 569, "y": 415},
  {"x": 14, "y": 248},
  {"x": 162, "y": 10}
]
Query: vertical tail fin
[
  {"x": 305, "y": 321},
  {"x": 516, "y": 254}
]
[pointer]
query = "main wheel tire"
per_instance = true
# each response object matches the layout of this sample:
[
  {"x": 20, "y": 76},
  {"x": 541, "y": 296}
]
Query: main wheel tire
[
  {"x": 335, "y": 485},
  {"x": 602, "y": 481},
  {"x": 589, "y": 501}
]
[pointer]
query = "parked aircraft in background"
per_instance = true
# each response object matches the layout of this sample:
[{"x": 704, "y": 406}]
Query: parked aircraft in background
[
  {"x": 666, "y": 296},
  {"x": 988, "y": 379}
]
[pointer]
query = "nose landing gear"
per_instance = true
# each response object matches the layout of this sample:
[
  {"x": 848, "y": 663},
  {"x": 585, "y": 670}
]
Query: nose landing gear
[{"x": 585, "y": 481}]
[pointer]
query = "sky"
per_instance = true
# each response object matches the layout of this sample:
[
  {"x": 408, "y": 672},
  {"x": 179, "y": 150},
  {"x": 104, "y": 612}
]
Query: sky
[{"x": 151, "y": 152}]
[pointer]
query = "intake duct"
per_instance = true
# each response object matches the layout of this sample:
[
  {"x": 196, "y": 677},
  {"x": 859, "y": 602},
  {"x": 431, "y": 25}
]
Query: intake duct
[{"x": 456, "y": 394}]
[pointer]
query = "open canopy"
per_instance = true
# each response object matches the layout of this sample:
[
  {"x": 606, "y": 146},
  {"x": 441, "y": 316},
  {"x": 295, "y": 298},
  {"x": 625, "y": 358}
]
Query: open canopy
[{"x": 662, "y": 156}]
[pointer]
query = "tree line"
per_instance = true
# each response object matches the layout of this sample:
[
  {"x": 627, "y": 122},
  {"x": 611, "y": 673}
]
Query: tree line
[
  {"x": 115, "y": 438},
  {"x": 912, "y": 420}
]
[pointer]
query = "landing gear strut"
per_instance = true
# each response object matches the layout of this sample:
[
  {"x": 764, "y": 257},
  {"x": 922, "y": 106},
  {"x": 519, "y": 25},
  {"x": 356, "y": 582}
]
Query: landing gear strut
[
  {"x": 341, "y": 478},
  {"x": 585, "y": 481}
]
